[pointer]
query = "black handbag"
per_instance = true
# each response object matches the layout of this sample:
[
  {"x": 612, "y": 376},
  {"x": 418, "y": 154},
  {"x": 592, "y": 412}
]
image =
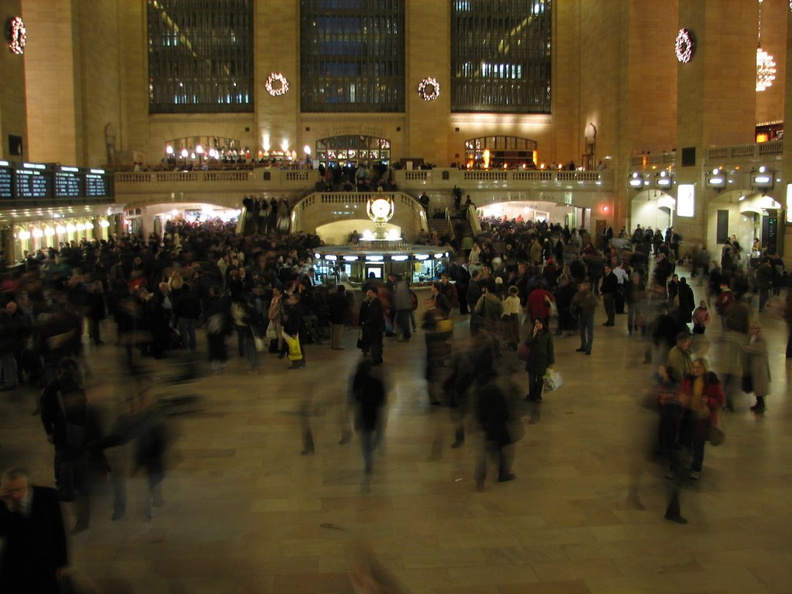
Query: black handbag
[{"x": 273, "y": 346}]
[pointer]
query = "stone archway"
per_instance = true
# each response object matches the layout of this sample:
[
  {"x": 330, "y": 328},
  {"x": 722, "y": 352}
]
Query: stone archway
[
  {"x": 652, "y": 208},
  {"x": 743, "y": 214}
]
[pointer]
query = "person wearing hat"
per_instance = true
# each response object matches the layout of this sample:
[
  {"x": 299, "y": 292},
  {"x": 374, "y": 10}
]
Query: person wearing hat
[{"x": 680, "y": 361}]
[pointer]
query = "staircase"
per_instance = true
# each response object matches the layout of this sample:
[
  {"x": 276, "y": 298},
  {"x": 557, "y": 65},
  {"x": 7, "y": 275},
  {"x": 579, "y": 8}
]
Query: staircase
[{"x": 441, "y": 226}]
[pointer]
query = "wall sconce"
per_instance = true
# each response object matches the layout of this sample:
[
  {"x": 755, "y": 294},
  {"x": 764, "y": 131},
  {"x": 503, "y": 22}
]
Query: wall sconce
[
  {"x": 636, "y": 181},
  {"x": 716, "y": 179},
  {"x": 762, "y": 178},
  {"x": 663, "y": 179}
]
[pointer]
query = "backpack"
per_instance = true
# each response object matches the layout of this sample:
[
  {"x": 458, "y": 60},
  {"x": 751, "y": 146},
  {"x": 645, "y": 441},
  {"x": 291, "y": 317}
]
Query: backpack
[{"x": 74, "y": 406}]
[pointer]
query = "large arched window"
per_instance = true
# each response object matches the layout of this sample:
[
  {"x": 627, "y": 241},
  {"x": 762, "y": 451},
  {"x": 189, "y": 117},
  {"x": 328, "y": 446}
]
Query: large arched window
[
  {"x": 353, "y": 149},
  {"x": 500, "y": 56},
  {"x": 352, "y": 55},
  {"x": 511, "y": 152},
  {"x": 200, "y": 56}
]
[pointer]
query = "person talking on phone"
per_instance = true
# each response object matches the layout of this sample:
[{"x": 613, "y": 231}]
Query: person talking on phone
[{"x": 541, "y": 358}]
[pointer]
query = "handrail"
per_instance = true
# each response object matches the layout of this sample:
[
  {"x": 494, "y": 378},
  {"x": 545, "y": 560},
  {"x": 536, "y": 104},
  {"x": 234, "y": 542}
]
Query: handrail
[{"x": 472, "y": 217}]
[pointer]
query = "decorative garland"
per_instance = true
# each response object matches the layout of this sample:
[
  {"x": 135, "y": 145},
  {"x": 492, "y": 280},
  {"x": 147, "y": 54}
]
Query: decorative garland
[
  {"x": 684, "y": 46},
  {"x": 429, "y": 89},
  {"x": 17, "y": 35},
  {"x": 281, "y": 89}
]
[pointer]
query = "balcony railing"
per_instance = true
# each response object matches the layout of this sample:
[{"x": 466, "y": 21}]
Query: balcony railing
[{"x": 758, "y": 153}]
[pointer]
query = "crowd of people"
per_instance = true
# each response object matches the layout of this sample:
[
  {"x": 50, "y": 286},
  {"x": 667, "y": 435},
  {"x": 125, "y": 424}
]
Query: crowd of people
[{"x": 513, "y": 284}]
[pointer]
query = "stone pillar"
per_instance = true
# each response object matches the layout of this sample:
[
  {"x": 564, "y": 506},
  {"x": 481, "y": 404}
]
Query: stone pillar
[
  {"x": 428, "y": 55},
  {"x": 51, "y": 85},
  {"x": 13, "y": 109},
  {"x": 785, "y": 193},
  {"x": 716, "y": 102}
]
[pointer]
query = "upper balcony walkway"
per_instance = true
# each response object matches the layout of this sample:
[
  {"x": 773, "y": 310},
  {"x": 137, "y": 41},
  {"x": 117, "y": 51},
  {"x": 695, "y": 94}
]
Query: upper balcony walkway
[{"x": 228, "y": 187}]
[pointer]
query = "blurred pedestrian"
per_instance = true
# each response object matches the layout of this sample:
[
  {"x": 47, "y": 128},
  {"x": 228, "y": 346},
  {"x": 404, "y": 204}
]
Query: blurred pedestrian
[
  {"x": 496, "y": 418},
  {"x": 369, "y": 395},
  {"x": 35, "y": 555}
]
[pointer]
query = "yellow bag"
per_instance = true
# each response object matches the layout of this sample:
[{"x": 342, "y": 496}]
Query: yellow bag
[
  {"x": 295, "y": 353},
  {"x": 445, "y": 325}
]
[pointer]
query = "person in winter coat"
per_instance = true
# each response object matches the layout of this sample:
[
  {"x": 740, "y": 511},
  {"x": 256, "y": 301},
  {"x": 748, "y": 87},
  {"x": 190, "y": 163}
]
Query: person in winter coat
[
  {"x": 583, "y": 305},
  {"x": 687, "y": 302},
  {"x": 702, "y": 395},
  {"x": 542, "y": 358},
  {"x": 510, "y": 319},
  {"x": 701, "y": 318},
  {"x": 187, "y": 310},
  {"x": 756, "y": 367}
]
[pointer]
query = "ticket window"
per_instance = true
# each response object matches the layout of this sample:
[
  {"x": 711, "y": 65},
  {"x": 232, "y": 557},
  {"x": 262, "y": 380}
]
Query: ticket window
[
  {"x": 423, "y": 270},
  {"x": 374, "y": 271},
  {"x": 325, "y": 270}
]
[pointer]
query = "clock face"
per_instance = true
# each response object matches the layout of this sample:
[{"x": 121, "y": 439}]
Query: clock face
[
  {"x": 684, "y": 46},
  {"x": 380, "y": 208}
]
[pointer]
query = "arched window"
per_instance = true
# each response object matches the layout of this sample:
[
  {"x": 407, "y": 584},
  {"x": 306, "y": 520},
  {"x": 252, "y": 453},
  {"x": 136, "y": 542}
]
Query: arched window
[
  {"x": 353, "y": 149},
  {"x": 200, "y": 56},
  {"x": 510, "y": 151}
]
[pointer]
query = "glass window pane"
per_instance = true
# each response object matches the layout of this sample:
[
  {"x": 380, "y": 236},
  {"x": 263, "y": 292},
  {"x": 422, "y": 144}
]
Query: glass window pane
[
  {"x": 500, "y": 55},
  {"x": 200, "y": 56},
  {"x": 352, "y": 55}
]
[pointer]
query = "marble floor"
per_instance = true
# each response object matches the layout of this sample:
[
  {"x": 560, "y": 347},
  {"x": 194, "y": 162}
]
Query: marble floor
[{"x": 246, "y": 513}]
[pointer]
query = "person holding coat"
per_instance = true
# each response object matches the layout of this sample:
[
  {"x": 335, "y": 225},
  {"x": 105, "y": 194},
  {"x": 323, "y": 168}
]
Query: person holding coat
[
  {"x": 756, "y": 367},
  {"x": 702, "y": 396},
  {"x": 542, "y": 358}
]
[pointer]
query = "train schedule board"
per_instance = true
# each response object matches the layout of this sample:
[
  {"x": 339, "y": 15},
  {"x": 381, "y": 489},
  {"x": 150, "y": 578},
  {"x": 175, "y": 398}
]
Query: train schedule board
[
  {"x": 98, "y": 184},
  {"x": 68, "y": 183},
  {"x": 33, "y": 182},
  {"x": 6, "y": 181}
]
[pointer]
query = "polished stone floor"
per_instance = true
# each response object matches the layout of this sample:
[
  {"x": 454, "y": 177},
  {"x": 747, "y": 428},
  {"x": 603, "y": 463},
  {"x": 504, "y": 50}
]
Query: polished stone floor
[{"x": 246, "y": 513}]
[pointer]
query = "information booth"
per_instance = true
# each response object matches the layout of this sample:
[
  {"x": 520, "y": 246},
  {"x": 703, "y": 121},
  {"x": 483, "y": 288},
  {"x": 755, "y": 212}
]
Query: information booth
[{"x": 353, "y": 264}]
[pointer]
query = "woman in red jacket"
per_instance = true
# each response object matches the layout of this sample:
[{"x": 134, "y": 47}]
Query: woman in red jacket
[{"x": 702, "y": 395}]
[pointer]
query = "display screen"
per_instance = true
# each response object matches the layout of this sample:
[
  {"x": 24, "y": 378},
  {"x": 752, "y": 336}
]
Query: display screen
[
  {"x": 6, "y": 185},
  {"x": 68, "y": 184},
  {"x": 96, "y": 185},
  {"x": 33, "y": 183}
]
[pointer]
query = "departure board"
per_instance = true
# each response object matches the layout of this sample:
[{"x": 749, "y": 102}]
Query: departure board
[
  {"x": 6, "y": 183},
  {"x": 33, "y": 183},
  {"x": 68, "y": 184},
  {"x": 96, "y": 185}
]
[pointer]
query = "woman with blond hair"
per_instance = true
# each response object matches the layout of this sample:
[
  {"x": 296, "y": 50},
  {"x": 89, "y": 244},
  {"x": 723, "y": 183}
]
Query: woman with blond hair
[{"x": 510, "y": 319}]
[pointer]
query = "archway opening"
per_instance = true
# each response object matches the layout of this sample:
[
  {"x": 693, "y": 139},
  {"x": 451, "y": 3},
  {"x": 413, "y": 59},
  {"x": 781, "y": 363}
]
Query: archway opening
[
  {"x": 352, "y": 149},
  {"x": 501, "y": 152}
]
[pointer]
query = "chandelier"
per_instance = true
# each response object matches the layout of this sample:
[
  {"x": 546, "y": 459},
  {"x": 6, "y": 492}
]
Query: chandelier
[{"x": 765, "y": 64}]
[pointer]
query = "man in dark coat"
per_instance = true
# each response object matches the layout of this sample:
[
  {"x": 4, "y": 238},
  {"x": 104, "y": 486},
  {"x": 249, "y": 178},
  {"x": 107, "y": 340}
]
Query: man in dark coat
[
  {"x": 339, "y": 311},
  {"x": 68, "y": 424},
  {"x": 373, "y": 322},
  {"x": 494, "y": 416},
  {"x": 687, "y": 301},
  {"x": 35, "y": 553},
  {"x": 368, "y": 395}
]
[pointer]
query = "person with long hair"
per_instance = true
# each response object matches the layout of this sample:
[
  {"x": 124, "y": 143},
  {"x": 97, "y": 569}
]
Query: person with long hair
[{"x": 702, "y": 396}]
